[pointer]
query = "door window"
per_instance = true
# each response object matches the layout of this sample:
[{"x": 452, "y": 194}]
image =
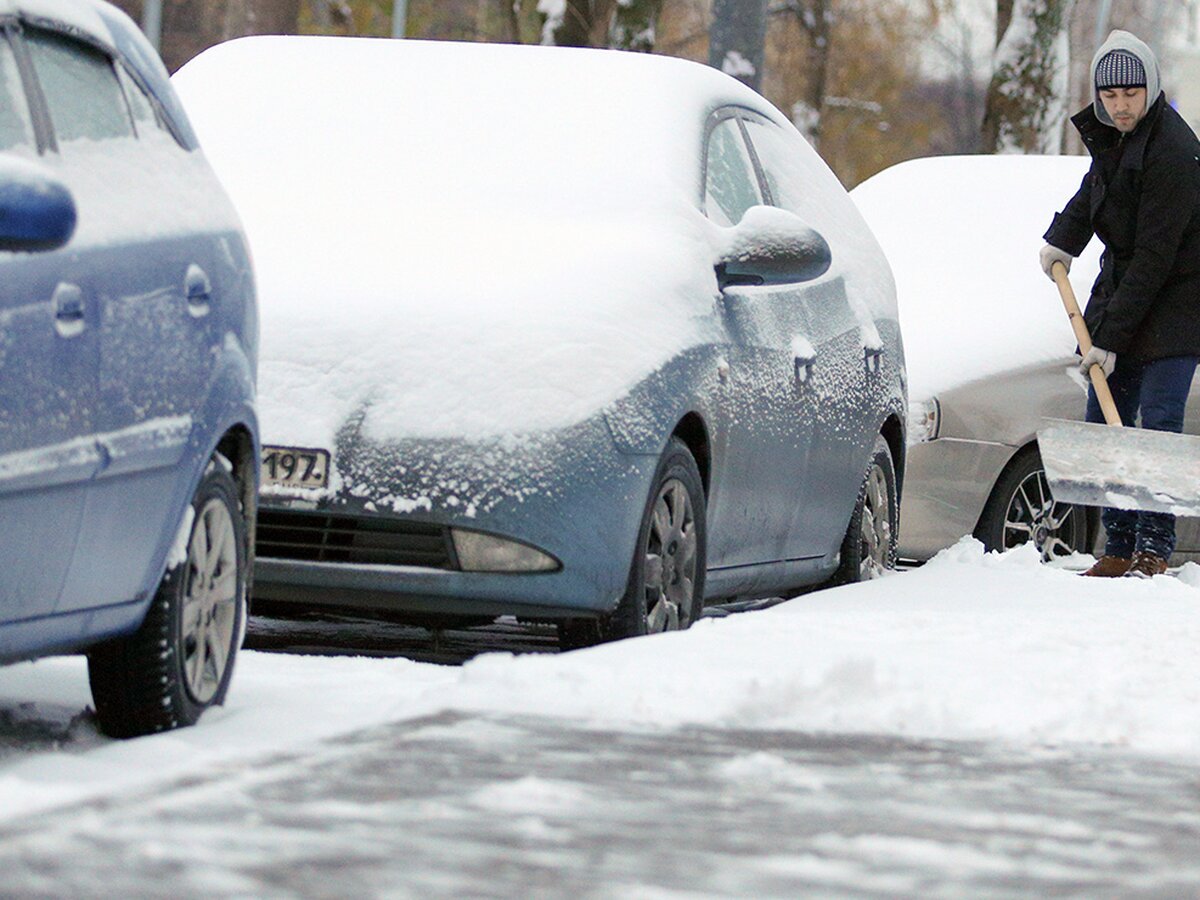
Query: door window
[
  {"x": 16, "y": 129},
  {"x": 141, "y": 107},
  {"x": 81, "y": 89},
  {"x": 800, "y": 182},
  {"x": 730, "y": 185}
]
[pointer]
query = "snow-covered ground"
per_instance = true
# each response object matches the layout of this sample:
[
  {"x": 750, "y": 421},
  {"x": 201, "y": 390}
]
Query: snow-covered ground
[{"x": 972, "y": 646}]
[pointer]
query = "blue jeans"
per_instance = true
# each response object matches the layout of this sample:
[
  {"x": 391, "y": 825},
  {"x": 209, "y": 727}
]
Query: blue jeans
[{"x": 1160, "y": 390}]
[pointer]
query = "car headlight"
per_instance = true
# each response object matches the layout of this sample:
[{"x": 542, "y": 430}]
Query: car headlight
[
  {"x": 478, "y": 552},
  {"x": 924, "y": 418}
]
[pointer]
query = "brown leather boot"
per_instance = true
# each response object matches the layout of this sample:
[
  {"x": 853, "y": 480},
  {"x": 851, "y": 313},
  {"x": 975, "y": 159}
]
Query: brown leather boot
[
  {"x": 1146, "y": 565},
  {"x": 1110, "y": 567}
]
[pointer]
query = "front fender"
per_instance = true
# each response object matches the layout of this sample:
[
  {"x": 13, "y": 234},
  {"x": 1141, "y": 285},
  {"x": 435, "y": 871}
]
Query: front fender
[{"x": 642, "y": 420}]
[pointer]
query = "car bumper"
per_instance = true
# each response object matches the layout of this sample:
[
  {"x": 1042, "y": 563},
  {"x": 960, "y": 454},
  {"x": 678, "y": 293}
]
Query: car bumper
[
  {"x": 575, "y": 497},
  {"x": 947, "y": 483}
]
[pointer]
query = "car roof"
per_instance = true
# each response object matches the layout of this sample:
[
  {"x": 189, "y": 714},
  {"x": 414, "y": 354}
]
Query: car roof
[
  {"x": 620, "y": 116},
  {"x": 962, "y": 234},
  {"x": 106, "y": 26}
]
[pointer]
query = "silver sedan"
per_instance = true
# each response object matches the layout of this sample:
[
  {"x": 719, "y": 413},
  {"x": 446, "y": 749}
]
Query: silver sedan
[{"x": 989, "y": 350}]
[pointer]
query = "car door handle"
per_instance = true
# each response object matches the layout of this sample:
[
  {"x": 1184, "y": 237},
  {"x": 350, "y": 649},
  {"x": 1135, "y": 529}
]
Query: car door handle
[
  {"x": 198, "y": 290},
  {"x": 872, "y": 358},
  {"x": 803, "y": 357},
  {"x": 68, "y": 305},
  {"x": 803, "y": 366}
]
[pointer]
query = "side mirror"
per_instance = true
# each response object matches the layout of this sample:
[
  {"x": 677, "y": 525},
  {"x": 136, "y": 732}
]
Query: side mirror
[
  {"x": 37, "y": 212},
  {"x": 772, "y": 246}
]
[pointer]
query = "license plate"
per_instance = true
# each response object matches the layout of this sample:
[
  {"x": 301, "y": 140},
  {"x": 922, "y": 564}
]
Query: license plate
[{"x": 295, "y": 467}]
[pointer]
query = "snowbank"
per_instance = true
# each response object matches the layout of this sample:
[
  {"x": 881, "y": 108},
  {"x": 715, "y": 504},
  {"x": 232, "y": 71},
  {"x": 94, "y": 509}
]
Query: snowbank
[
  {"x": 971, "y": 646},
  {"x": 962, "y": 234}
]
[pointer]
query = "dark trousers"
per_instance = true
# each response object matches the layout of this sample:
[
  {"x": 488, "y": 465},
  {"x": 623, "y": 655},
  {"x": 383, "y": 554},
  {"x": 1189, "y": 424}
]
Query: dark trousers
[{"x": 1159, "y": 390}]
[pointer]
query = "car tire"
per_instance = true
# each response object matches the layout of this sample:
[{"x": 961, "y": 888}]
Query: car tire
[
  {"x": 1020, "y": 508},
  {"x": 869, "y": 546},
  {"x": 180, "y": 660},
  {"x": 666, "y": 579}
]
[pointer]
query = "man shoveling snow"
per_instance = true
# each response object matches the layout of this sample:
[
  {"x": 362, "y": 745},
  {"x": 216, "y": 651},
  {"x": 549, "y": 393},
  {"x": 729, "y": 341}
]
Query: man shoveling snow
[{"x": 1141, "y": 197}]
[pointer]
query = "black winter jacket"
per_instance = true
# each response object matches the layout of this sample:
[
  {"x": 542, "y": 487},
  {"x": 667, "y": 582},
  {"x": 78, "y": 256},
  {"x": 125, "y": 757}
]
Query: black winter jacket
[{"x": 1141, "y": 197}]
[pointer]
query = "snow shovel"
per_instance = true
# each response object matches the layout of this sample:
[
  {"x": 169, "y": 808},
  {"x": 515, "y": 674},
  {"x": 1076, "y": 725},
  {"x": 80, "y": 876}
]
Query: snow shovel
[{"x": 1110, "y": 465}]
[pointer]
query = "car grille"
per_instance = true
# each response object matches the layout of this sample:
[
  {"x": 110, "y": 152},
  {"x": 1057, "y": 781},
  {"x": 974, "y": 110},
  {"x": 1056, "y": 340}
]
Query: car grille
[{"x": 316, "y": 537}]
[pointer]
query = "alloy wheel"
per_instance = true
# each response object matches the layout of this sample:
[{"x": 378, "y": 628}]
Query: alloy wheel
[
  {"x": 876, "y": 533},
  {"x": 210, "y": 601},
  {"x": 1034, "y": 515},
  {"x": 669, "y": 567}
]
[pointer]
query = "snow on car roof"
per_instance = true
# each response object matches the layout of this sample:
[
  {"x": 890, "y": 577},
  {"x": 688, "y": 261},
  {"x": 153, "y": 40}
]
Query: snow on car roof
[
  {"x": 443, "y": 123},
  {"x": 511, "y": 234},
  {"x": 80, "y": 17},
  {"x": 962, "y": 234},
  {"x": 109, "y": 27}
]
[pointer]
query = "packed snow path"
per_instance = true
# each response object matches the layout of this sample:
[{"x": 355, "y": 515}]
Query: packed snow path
[
  {"x": 995, "y": 661},
  {"x": 467, "y": 806}
]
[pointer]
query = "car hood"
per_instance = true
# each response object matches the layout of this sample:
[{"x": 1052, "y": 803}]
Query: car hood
[
  {"x": 962, "y": 235},
  {"x": 474, "y": 328}
]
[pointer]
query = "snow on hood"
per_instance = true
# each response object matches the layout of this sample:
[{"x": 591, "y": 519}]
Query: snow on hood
[
  {"x": 962, "y": 234},
  {"x": 505, "y": 250},
  {"x": 1123, "y": 40}
]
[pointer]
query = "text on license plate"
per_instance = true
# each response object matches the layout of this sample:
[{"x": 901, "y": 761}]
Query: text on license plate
[{"x": 295, "y": 466}]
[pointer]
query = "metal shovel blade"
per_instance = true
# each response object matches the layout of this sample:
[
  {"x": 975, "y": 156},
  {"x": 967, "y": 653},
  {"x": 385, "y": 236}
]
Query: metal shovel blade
[{"x": 1126, "y": 468}]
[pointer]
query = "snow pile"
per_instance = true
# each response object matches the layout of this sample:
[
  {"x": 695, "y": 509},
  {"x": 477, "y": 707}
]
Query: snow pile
[
  {"x": 962, "y": 234},
  {"x": 505, "y": 250},
  {"x": 971, "y": 646}
]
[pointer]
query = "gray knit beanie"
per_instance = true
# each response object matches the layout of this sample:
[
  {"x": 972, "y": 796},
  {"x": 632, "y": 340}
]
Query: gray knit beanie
[{"x": 1120, "y": 69}]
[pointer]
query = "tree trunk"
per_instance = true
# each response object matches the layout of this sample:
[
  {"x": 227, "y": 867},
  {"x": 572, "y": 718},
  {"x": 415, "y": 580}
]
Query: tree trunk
[
  {"x": 574, "y": 29},
  {"x": 620, "y": 24},
  {"x": 1029, "y": 91},
  {"x": 512, "y": 19},
  {"x": 243, "y": 17},
  {"x": 737, "y": 39},
  {"x": 815, "y": 17},
  {"x": 636, "y": 25},
  {"x": 1004, "y": 11}
]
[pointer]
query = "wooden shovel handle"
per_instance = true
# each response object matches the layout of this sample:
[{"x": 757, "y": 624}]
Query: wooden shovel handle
[{"x": 1099, "y": 382}]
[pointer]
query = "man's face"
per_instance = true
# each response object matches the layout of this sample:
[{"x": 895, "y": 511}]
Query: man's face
[{"x": 1125, "y": 106}]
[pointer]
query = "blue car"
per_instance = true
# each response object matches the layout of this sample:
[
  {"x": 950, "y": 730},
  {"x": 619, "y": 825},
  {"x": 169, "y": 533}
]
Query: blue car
[
  {"x": 568, "y": 335},
  {"x": 128, "y": 347}
]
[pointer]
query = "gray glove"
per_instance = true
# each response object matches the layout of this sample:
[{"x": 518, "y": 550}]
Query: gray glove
[
  {"x": 1050, "y": 255},
  {"x": 1105, "y": 359}
]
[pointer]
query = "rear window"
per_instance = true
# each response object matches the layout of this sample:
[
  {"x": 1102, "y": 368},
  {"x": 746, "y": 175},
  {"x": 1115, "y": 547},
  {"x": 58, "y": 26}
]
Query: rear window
[
  {"x": 81, "y": 89},
  {"x": 16, "y": 130}
]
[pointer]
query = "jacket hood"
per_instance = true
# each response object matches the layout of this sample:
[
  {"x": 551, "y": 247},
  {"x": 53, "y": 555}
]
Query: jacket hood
[{"x": 1123, "y": 40}]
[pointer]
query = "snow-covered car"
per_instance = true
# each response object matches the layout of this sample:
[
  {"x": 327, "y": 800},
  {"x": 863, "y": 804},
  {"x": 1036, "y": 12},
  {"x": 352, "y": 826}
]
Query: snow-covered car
[
  {"x": 128, "y": 342},
  {"x": 990, "y": 351},
  {"x": 569, "y": 335}
]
